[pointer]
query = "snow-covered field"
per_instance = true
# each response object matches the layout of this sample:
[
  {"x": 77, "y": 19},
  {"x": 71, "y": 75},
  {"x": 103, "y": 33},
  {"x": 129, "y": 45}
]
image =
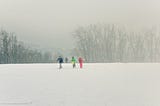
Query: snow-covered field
[{"x": 95, "y": 85}]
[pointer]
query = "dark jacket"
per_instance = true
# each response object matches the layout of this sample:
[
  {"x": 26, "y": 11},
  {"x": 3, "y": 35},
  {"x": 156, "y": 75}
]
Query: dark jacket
[{"x": 60, "y": 60}]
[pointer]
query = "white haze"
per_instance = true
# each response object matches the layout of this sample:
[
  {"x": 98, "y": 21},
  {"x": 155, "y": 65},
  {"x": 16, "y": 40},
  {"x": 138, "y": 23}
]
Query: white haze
[{"x": 50, "y": 23}]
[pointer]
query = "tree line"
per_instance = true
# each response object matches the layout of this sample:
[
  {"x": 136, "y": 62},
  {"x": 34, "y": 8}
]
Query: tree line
[
  {"x": 14, "y": 51},
  {"x": 114, "y": 43}
]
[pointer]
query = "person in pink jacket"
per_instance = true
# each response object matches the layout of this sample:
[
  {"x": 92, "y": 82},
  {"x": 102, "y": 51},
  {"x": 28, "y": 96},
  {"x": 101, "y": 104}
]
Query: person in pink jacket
[{"x": 80, "y": 62}]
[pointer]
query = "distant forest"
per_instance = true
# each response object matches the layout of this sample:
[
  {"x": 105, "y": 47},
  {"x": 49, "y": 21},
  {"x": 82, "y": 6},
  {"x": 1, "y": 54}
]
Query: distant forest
[
  {"x": 107, "y": 43},
  {"x": 14, "y": 51},
  {"x": 116, "y": 43}
]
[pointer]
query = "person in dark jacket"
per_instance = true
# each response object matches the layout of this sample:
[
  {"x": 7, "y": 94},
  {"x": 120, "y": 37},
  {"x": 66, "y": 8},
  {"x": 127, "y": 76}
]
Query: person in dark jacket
[
  {"x": 60, "y": 61},
  {"x": 66, "y": 60}
]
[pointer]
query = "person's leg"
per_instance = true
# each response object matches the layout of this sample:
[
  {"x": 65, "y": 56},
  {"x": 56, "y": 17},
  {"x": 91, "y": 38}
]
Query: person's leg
[
  {"x": 60, "y": 65},
  {"x": 74, "y": 65},
  {"x": 80, "y": 65}
]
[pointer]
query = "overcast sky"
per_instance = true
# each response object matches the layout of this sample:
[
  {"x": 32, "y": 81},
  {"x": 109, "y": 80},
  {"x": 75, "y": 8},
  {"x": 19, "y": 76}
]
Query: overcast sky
[{"x": 49, "y": 23}]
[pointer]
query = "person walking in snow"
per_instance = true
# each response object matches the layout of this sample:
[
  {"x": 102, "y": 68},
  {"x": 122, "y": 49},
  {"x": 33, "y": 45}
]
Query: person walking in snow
[
  {"x": 60, "y": 61},
  {"x": 66, "y": 60},
  {"x": 80, "y": 62},
  {"x": 73, "y": 62}
]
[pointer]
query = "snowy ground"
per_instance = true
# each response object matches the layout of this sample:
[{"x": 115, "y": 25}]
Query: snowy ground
[{"x": 95, "y": 85}]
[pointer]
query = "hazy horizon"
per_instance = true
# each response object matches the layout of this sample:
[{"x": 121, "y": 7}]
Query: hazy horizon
[{"x": 50, "y": 23}]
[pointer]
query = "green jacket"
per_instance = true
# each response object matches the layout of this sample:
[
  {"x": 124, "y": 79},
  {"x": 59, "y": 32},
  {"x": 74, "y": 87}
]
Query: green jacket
[{"x": 73, "y": 60}]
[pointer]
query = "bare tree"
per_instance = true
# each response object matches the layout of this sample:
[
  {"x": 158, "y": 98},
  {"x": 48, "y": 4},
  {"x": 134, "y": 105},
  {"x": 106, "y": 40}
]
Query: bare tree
[{"x": 113, "y": 43}]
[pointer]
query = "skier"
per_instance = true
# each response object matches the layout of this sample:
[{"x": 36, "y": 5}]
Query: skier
[
  {"x": 66, "y": 60},
  {"x": 73, "y": 62},
  {"x": 80, "y": 62},
  {"x": 60, "y": 60}
]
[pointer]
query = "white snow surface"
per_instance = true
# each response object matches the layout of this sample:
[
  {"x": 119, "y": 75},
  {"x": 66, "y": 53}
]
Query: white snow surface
[{"x": 97, "y": 84}]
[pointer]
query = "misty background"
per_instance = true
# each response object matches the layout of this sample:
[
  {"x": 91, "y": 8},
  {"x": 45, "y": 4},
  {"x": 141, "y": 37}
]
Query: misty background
[{"x": 49, "y": 24}]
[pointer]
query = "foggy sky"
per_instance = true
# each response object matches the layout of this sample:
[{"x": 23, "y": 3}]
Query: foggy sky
[{"x": 50, "y": 23}]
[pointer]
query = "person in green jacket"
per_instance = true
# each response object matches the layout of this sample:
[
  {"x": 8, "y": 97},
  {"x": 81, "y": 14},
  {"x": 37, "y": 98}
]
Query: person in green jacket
[{"x": 73, "y": 62}]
